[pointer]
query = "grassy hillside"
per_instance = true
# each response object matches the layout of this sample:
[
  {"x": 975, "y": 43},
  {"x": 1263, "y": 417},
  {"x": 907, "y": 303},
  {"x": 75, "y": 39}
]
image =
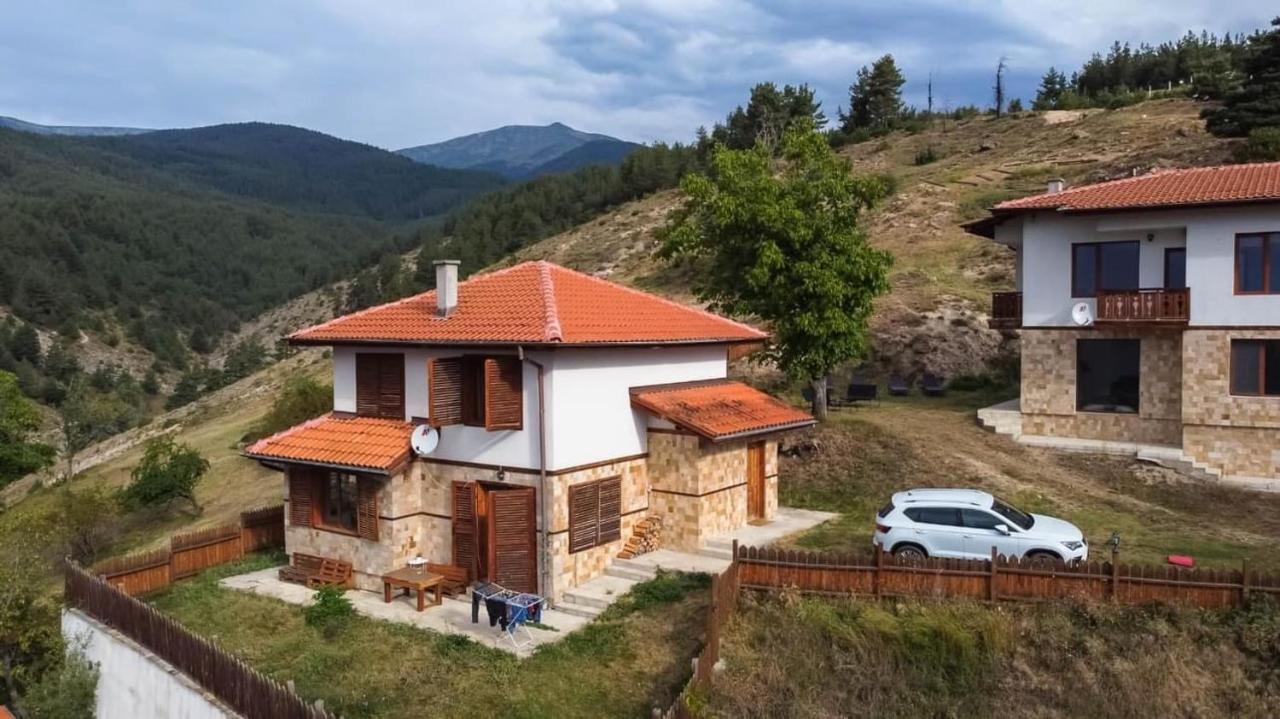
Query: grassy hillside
[{"x": 934, "y": 316}]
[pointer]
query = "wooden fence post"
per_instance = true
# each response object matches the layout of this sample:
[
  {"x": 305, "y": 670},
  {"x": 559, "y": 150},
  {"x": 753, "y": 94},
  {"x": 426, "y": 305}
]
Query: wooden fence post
[
  {"x": 1244, "y": 582},
  {"x": 875, "y": 574},
  {"x": 991, "y": 578},
  {"x": 1115, "y": 574}
]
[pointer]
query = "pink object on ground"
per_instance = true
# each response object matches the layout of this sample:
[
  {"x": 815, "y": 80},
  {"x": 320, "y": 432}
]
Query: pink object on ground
[{"x": 1182, "y": 560}]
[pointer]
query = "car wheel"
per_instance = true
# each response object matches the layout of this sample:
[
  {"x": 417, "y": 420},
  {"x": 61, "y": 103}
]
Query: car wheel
[
  {"x": 910, "y": 554},
  {"x": 1043, "y": 560}
]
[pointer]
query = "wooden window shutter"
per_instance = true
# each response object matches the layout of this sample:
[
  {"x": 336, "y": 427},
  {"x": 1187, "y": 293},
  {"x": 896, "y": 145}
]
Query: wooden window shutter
[
  {"x": 464, "y": 528},
  {"x": 301, "y": 489},
  {"x": 512, "y": 546},
  {"x": 444, "y": 385},
  {"x": 584, "y": 516},
  {"x": 610, "y": 510},
  {"x": 391, "y": 386},
  {"x": 368, "y": 371},
  {"x": 504, "y": 393},
  {"x": 367, "y": 508}
]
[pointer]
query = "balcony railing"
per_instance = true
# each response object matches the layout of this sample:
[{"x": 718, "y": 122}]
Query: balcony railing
[
  {"x": 1145, "y": 306},
  {"x": 1006, "y": 311}
]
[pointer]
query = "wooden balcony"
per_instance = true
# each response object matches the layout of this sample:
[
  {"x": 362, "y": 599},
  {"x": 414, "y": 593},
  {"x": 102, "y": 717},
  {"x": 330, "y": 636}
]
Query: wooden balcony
[
  {"x": 1156, "y": 306},
  {"x": 1006, "y": 311}
]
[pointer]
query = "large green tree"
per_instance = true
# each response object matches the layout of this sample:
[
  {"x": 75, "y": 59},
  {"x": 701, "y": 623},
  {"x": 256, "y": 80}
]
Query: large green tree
[
  {"x": 168, "y": 471},
  {"x": 769, "y": 113},
  {"x": 779, "y": 240},
  {"x": 875, "y": 98},
  {"x": 19, "y": 418},
  {"x": 1256, "y": 103}
]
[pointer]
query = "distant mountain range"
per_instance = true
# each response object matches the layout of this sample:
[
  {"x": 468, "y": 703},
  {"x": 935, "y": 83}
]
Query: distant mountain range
[
  {"x": 14, "y": 123},
  {"x": 524, "y": 151}
]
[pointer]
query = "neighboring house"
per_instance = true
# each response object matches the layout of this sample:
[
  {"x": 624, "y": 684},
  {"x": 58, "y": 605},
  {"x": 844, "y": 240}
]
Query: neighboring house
[
  {"x": 1178, "y": 339},
  {"x": 564, "y": 403}
]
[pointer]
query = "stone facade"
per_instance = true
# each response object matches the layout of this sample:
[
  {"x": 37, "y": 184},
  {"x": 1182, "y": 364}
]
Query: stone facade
[
  {"x": 1048, "y": 402},
  {"x": 1240, "y": 436},
  {"x": 415, "y": 509}
]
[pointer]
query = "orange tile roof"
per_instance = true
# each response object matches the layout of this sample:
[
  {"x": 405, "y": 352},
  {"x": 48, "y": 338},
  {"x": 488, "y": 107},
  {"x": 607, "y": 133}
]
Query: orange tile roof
[
  {"x": 719, "y": 409},
  {"x": 1228, "y": 184},
  {"x": 4, "y": 713},
  {"x": 368, "y": 443},
  {"x": 533, "y": 303}
]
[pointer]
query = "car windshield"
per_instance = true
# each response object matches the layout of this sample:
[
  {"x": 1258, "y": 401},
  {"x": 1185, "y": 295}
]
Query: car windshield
[{"x": 1020, "y": 518}]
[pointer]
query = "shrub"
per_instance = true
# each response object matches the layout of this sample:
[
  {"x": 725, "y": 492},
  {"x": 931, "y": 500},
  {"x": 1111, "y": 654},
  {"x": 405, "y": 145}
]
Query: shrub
[
  {"x": 168, "y": 471},
  {"x": 329, "y": 611},
  {"x": 926, "y": 156},
  {"x": 1263, "y": 145},
  {"x": 71, "y": 692},
  {"x": 299, "y": 400}
]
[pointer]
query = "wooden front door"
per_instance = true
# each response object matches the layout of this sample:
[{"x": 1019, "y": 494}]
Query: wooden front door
[
  {"x": 512, "y": 544},
  {"x": 755, "y": 480}
]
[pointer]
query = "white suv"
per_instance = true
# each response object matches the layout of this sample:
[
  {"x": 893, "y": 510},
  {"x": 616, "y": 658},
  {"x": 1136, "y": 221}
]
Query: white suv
[{"x": 966, "y": 523}]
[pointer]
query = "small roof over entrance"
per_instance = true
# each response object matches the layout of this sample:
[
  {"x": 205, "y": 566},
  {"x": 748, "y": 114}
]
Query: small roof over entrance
[
  {"x": 360, "y": 444},
  {"x": 719, "y": 410}
]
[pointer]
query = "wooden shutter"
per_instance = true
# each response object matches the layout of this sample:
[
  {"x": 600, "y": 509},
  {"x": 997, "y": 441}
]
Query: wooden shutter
[
  {"x": 610, "y": 510},
  {"x": 444, "y": 384},
  {"x": 367, "y": 508},
  {"x": 513, "y": 559},
  {"x": 584, "y": 516},
  {"x": 368, "y": 372},
  {"x": 380, "y": 385},
  {"x": 391, "y": 386},
  {"x": 503, "y": 393},
  {"x": 301, "y": 490},
  {"x": 464, "y": 527}
]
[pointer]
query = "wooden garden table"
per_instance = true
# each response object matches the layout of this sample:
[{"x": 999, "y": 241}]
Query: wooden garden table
[{"x": 410, "y": 579}]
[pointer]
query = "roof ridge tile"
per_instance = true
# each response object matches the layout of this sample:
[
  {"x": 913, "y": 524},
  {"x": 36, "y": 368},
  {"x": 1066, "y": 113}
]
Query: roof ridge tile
[{"x": 549, "y": 306}]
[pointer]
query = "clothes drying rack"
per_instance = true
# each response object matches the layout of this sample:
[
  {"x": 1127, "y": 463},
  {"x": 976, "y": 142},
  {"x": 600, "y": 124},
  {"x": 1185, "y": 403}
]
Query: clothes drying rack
[{"x": 521, "y": 607}]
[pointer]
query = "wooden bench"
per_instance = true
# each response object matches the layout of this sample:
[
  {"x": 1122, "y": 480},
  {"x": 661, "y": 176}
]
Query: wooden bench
[
  {"x": 455, "y": 578},
  {"x": 316, "y": 572}
]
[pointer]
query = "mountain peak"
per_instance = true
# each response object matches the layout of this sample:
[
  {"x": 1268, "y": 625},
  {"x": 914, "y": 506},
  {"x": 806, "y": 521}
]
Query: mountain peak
[{"x": 522, "y": 151}]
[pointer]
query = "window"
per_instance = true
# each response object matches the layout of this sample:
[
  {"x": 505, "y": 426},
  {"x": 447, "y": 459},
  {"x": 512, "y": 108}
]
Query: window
[
  {"x": 339, "y": 500},
  {"x": 1255, "y": 367},
  {"x": 595, "y": 513},
  {"x": 380, "y": 385},
  {"x": 1175, "y": 268},
  {"x": 1107, "y": 374},
  {"x": 1013, "y": 514},
  {"x": 1103, "y": 266},
  {"x": 944, "y": 516},
  {"x": 1258, "y": 264},
  {"x": 476, "y": 391},
  {"x": 978, "y": 519}
]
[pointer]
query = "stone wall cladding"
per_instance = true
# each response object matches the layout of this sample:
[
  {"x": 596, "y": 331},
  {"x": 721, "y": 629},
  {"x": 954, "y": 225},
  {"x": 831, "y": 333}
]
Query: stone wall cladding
[
  {"x": 1206, "y": 376},
  {"x": 1048, "y": 402},
  {"x": 699, "y": 489},
  {"x": 1236, "y": 451},
  {"x": 568, "y": 569}
]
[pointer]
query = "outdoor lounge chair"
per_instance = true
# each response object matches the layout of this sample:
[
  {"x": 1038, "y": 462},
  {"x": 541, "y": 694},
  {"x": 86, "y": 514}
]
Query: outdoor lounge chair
[
  {"x": 933, "y": 385},
  {"x": 314, "y": 572},
  {"x": 899, "y": 386},
  {"x": 861, "y": 390}
]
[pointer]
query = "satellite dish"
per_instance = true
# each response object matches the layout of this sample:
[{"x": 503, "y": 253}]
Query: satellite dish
[
  {"x": 1082, "y": 314},
  {"x": 424, "y": 439}
]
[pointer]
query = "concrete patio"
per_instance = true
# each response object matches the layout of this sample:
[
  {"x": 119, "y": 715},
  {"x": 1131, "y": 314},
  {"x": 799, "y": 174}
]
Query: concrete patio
[{"x": 580, "y": 605}]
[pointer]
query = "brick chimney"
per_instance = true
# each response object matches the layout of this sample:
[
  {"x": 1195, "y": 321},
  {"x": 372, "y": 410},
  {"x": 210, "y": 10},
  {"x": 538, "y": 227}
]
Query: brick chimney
[
  {"x": 446, "y": 287},
  {"x": 1057, "y": 185}
]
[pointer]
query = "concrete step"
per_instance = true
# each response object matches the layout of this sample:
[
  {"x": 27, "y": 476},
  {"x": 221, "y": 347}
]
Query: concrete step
[
  {"x": 717, "y": 552},
  {"x": 577, "y": 610},
  {"x": 629, "y": 569},
  {"x": 599, "y": 592}
]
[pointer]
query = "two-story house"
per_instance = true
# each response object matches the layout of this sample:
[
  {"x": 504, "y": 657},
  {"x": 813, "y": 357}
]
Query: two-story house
[
  {"x": 1149, "y": 310},
  {"x": 565, "y": 408}
]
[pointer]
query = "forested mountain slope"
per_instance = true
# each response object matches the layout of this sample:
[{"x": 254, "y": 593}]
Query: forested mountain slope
[{"x": 523, "y": 151}]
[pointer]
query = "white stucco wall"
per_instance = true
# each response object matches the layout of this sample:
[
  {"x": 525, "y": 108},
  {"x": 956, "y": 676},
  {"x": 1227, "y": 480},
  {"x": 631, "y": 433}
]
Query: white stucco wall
[
  {"x": 135, "y": 684},
  {"x": 587, "y": 401},
  {"x": 590, "y": 415},
  {"x": 1208, "y": 235}
]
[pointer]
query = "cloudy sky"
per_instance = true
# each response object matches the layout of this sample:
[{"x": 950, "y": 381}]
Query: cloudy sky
[{"x": 395, "y": 73}]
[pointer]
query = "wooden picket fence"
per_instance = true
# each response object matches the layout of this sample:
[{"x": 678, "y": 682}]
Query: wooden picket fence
[
  {"x": 880, "y": 574},
  {"x": 242, "y": 688},
  {"x": 193, "y": 552},
  {"x": 725, "y": 590}
]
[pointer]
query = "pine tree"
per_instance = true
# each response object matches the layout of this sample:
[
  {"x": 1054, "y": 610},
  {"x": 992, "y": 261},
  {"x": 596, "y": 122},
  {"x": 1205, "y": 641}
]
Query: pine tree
[
  {"x": 25, "y": 344},
  {"x": 875, "y": 98},
  {"x": 1052, "y": 87},
  {"x": 1256, "y": 104}
]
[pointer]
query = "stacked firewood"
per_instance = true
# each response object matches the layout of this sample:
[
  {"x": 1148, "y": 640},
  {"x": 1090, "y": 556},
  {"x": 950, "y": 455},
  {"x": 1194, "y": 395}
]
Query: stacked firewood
[{"x": 646, "y": 538}]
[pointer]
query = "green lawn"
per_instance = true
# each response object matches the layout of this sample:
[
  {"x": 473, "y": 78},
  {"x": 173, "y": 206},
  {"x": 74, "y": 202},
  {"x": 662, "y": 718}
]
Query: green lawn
[
  {"x": 633, "y": 657},
  {"x": 868, "y": 453}
]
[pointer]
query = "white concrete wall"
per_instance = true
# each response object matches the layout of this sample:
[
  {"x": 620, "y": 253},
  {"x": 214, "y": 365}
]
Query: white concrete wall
[
  {"x": 587, "y": 401},
  {"x": 135, "y": 684},
  {"x": 590, "y": 415},
  {"x": 1211, "y": 268}
]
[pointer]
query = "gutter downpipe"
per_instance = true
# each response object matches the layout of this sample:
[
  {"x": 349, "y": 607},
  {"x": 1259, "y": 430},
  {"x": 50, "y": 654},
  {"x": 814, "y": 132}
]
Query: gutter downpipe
[{"x": 544, "y": 573}]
